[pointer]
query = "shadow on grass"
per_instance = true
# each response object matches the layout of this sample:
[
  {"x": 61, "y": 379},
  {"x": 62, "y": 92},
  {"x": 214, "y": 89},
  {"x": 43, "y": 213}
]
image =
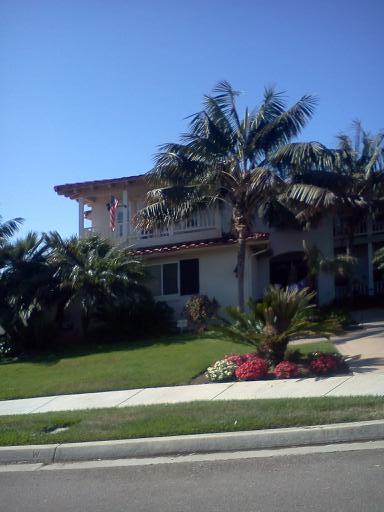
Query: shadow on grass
[{"x": 105, "y": 347}]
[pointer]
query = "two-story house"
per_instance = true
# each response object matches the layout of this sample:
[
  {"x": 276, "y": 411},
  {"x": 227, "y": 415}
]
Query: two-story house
[{"x": 199, "y": 256}]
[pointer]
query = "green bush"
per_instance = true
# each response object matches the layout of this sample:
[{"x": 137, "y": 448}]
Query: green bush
[
  {"x": 340, "y": 314},
  {"x": 199, "y": 310},
  {"x": 136, "y": 318}
]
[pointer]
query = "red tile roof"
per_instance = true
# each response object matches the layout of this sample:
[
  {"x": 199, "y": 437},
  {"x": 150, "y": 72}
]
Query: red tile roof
[{"x": 198, "y": 244}]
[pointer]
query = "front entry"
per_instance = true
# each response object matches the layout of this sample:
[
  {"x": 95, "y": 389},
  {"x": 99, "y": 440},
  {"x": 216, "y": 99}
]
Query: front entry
[{"x": 288, "y": 269}]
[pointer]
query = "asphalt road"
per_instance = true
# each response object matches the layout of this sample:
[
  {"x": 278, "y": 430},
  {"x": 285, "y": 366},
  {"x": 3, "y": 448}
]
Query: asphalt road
[{"x": 344, "y": 481}]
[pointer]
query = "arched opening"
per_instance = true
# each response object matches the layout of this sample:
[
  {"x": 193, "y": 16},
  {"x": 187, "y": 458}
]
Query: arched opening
[{"x": 288, "y": 269}]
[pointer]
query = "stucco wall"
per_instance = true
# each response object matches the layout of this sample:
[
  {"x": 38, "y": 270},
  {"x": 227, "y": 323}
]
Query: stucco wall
[
  {"x": 216, "y": 275},
  {"x": 283, "y": 241}
]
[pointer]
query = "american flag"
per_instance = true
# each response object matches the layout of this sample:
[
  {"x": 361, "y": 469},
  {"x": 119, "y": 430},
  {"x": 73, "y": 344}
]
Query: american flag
[{"x": 112, "y": 212}]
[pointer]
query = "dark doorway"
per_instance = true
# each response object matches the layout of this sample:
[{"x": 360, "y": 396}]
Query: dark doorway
[{"x": 288, "y": 269}]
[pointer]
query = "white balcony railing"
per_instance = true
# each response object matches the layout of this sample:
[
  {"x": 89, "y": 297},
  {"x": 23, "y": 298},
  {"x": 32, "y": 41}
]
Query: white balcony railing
[
  {"x": 201, "y": 223},
  {"x": 339, "y": 229}
]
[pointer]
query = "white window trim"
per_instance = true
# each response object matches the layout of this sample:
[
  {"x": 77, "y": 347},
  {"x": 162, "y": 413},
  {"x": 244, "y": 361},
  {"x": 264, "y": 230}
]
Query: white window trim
[{"x": 168, "y": 295}]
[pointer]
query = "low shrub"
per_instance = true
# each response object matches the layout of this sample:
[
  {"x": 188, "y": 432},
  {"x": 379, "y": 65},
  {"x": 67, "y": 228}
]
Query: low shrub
[
  {"x": 269, "y": 325},
  {"x": 256, "y": 368},
  {"x": 236, "y": 359},
  {"x": 221, "y": 370},
  {"x": 5, "y": 349},
  {"x": 239, "y": 360},
  {"x": 324, "y": 364},
  {"x": 339, "y": 313},
  {"x": 199, "y": 310},
  {"x": 134, "y": 319},
  {"x": 286, "y": 370},
  {"x": 251, "y": 356}
]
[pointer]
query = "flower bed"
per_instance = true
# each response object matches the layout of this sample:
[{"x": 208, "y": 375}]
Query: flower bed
[{"x": 254, "y": 367}]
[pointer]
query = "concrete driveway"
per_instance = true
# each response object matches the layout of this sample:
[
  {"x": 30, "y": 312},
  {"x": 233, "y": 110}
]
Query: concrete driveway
[{"x": 363, "y": 345}]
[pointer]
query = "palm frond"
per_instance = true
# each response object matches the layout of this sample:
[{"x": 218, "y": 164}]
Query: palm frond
[
  {"x": 311, "y": 195},
  {"x": 287, "y": 125},
  {"x": 9, "y": 228},
  {"x": 300, "y": 156}
]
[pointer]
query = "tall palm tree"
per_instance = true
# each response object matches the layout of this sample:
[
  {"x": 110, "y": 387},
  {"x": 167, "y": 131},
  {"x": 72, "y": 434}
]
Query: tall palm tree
[
  {"x": 228, "y": 159},
  {"x": 347, "y": 181}
]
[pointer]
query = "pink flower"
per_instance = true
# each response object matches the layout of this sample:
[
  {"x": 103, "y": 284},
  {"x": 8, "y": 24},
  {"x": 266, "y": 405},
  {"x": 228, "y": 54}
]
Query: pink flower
[
  {"x": 286, "y": 370},
  {"x": 323, "y": 364},
  {"x": 235, "y": 358},
  {"x": 256, "y": 368}
]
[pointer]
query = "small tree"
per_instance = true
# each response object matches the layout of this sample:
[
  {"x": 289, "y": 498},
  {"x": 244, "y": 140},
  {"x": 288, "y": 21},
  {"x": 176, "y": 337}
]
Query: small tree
[
  {"x": 92, "y": 274},
  {"x": 281, "y": 316},
  {"x": 342, "y": 265},
  {"x": 378, "y": 260}
]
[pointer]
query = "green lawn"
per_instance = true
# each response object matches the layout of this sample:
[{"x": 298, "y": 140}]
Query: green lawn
[
  {"x": 193, "y": 418},
  {"x": 317, "y": 346},
  {"x": 162, "y": 362}
]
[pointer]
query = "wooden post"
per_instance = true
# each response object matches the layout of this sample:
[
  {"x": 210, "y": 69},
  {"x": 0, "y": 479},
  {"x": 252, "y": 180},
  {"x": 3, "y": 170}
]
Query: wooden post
[{"x": 81, "y": 218}]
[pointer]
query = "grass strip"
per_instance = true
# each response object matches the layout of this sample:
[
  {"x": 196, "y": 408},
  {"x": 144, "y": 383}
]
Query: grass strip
[{"x": 191, "y": 418}]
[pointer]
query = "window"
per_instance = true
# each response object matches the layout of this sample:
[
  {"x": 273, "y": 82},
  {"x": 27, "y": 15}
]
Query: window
[
  {"x": 189, "y": 277},
  {"x": 119, "y": 219},
  {"x": 154, "y": 281},
  {"x": 170, "y": 279},
  {"x": 174, "y": 278}
]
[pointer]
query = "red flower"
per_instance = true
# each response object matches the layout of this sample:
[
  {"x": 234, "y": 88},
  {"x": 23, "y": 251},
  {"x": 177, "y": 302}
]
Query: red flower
[
  {"x": 235, "y": 358},
  {"x": 286, "y": 370},
  {"x": 323, "y": 364},
  {"x": 256, "y": 368},
  {"x": 251, "y": 356}
]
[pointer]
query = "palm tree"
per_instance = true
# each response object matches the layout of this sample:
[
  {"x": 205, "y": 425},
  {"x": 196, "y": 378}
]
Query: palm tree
[
  {"x": 341, "y": 265},
  {"x": 347, "y": 181},
  {"x": 93, "y": 274},
  {"x": 281, "y": 316},
  {"x": 227, "y": 159},
  {"x": 27, "y": 293}
]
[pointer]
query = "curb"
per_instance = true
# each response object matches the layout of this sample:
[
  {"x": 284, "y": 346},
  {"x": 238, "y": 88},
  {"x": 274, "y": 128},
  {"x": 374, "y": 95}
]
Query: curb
[{"x": 200, "y": 443}]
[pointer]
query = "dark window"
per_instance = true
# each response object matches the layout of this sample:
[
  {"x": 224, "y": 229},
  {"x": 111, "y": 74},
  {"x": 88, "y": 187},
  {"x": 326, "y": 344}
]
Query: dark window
[
  {"x": 170, "y": 284},
  {"x": 189, "y": 277},
  {"x": 154, "y": 279}
]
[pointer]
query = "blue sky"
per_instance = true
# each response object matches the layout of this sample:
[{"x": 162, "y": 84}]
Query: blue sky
[{"x": 90, "y": 88}]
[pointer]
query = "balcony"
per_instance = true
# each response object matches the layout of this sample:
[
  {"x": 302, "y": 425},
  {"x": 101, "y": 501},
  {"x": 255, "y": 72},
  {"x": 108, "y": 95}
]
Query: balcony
[
  {"x": 201, "y": 225},
  {"x": 339, "y": 230}
]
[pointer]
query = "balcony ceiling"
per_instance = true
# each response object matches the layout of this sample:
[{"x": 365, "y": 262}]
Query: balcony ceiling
[{"x": 87, "y": 189}]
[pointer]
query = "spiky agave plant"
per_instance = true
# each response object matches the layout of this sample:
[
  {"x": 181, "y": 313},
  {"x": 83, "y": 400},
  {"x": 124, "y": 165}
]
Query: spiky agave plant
[{"x": 281, "y": 316}]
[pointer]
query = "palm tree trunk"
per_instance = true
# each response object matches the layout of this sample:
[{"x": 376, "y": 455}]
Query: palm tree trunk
[
  {"x": 349, "y": 245},
  {"x": 348, "y": 250},
  {"x": 240, "y": 270}
]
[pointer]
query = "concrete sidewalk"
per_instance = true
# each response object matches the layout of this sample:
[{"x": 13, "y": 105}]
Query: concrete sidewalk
[
  {"x": 346, "y": 385},
  {"x": 363, "y": 349}
]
